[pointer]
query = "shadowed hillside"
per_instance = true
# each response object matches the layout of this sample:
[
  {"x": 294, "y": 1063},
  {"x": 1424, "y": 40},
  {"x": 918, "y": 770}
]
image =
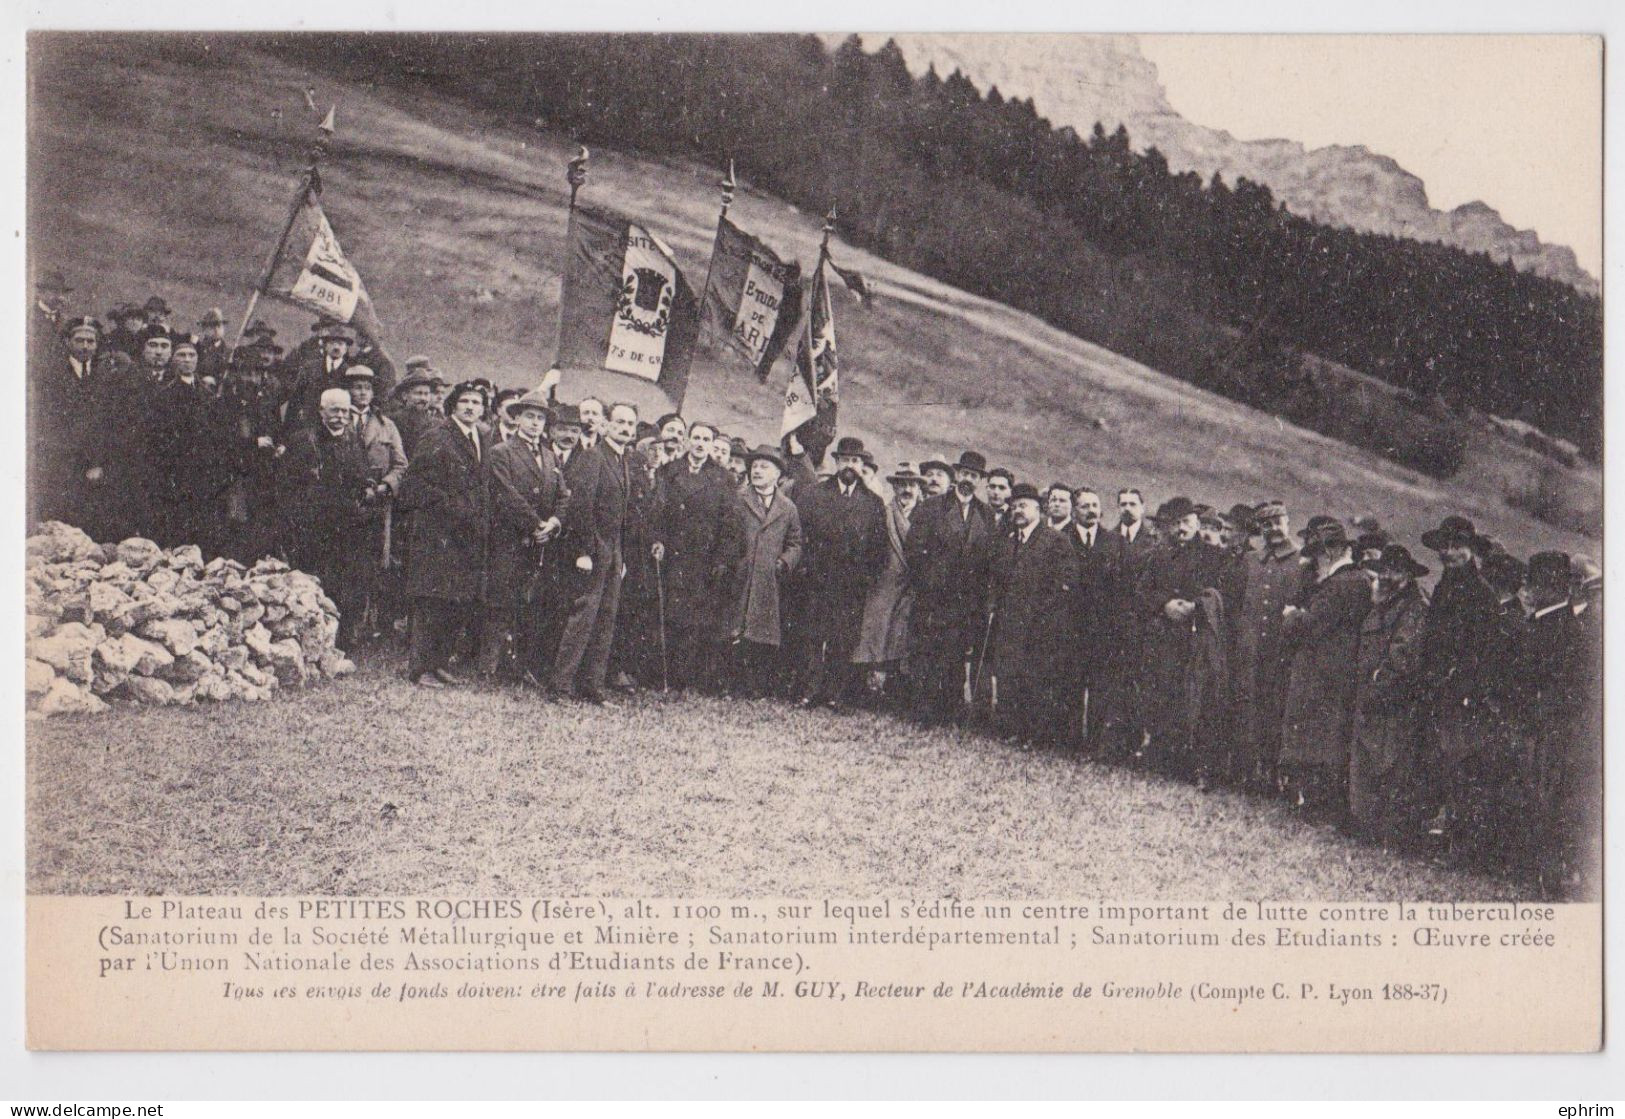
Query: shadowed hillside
[{"x": 167, "y": 167}]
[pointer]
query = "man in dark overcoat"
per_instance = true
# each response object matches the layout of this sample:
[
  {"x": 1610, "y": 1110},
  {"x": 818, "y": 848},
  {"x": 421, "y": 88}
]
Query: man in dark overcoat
[
  {"x": 62, "y": 403},
  {"x": 1322, "y": 638},
  {"x": 697, "y": 544},
  {"x": 323, "y": 484},
  {"x": 843, "y": 529},
  {"x": 950, "y": 544},
  {"x": 1557, "y": 685},
  {"x": 1100, "y": 554},
  {"x": 592, "y": 547},
  {"x": 529, "y": 502},
  {"x": 1274, "y": 577},
  {"x": 1460, "y": 641},
  {"x": 1030, "y": 582},
  {"x": 445, "y": 490}
]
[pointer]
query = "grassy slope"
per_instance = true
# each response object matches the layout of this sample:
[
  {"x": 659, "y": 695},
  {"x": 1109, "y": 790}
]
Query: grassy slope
[
  {"x": 660, "y": 798},
  {"x": 162, "y": 168}
]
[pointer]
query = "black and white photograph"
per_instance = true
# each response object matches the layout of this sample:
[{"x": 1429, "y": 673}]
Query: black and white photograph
[{"x": 838, "y": 465}]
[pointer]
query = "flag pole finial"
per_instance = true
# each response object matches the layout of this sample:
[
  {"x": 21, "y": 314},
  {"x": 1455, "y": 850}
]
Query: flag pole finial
[
  {"x": 329, "y": 122},
  {"x": 575, "y": 172},
  {"x": 728, "y": 187},
  {"x": 829, "y": 226}
]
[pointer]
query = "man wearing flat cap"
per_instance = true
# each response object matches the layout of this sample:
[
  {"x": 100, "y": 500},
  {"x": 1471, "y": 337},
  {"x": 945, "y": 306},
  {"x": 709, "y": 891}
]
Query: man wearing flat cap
[
  {"x": 445, "y": 490},
  {"x": 63, "y": 399},
  {"x": 1031, "y": 572},
  {"x": 1321, "y": 635},
  {"x": 529, "y": 502},
  {"x": 1387, "y": 787},
  {"x": 324, "y": 486},
  {"x": 696, "y": 539},
  {"x": 386, "y": 466},
  {"x": 843, "y": 530},
  {"x": 950, "y": 545}
]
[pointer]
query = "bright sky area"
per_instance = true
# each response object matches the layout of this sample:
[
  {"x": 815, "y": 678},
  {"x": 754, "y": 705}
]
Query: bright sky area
[{"x": 1513, "y": 121}]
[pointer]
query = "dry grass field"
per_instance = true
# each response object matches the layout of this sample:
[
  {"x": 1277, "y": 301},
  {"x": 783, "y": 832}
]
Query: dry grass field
[{"x": 369, "y": 785}]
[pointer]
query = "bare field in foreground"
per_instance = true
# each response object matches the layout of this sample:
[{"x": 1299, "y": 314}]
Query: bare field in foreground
[{"x": 372, "y": 786}]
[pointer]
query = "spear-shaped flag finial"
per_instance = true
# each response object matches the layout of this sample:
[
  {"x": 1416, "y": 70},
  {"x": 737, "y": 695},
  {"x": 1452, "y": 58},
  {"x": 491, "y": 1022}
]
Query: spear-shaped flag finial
[
  {"x": 829, "y": 224},
  {"x": 329, "y": 122}
]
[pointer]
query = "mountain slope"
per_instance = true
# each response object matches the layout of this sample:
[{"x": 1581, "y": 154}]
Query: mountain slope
[
  {"x": 168, "y": 167},
  {"x": 1078, "y": 80}
]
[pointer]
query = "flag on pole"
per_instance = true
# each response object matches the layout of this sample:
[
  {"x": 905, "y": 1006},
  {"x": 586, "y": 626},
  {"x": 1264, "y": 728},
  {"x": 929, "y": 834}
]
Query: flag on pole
[
  {"x": 752, "y": 298},
  {"x": 310, "y": 270},
  {"x": 626, "y": 306},
  {"x": 813, "y": 394}
]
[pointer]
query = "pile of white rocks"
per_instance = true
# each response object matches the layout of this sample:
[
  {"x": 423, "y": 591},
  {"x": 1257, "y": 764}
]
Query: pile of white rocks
[{"x": 133, "y": 622}]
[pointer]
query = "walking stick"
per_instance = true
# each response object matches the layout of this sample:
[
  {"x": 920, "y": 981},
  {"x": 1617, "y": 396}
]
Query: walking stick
[
  {"x": 660, "y": 602},
  {"x": 981, "y": 654},
  {"x": 389, "y": 534}
]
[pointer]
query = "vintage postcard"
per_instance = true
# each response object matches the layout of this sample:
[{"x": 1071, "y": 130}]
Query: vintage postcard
[{"x": 931, "y": 542}]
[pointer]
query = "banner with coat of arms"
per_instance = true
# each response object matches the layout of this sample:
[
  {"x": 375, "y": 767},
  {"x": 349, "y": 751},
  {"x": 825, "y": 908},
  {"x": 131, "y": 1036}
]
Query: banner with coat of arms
[{"x": 626, "y": 306}]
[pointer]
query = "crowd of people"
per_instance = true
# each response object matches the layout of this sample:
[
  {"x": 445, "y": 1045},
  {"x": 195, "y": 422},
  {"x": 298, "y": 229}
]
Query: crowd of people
[{"x": 578, "y": 549}]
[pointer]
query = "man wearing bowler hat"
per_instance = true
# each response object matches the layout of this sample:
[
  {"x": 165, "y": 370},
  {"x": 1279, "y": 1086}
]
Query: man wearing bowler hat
[
  {"x": 770, "y": 550},
  {"x": 211, "y": 345},
  {"x": 843, "y": 529},
  {"x": 1031, "y": 579},
  {"x": 950, "y": 544}
]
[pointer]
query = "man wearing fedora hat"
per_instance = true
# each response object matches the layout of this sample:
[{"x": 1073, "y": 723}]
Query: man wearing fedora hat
[
  {"x": 883, "y": 639},
  {"x": 770, "y": 548},
  {"x": 319, "y": 367},
  {"x": 1386, "y": 790},
  {"x": 1558, "y": 714},
  {"x": 950, "y": 545},
  {"x": 1321, "y": 636},
  {"x": 843, "y": 531},
  {"x": 211, "y": 342},
  {"x": 415, "y": 411},
  {"x": 1459, "y": 643},
  {"x": 529, "y": 501}
]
